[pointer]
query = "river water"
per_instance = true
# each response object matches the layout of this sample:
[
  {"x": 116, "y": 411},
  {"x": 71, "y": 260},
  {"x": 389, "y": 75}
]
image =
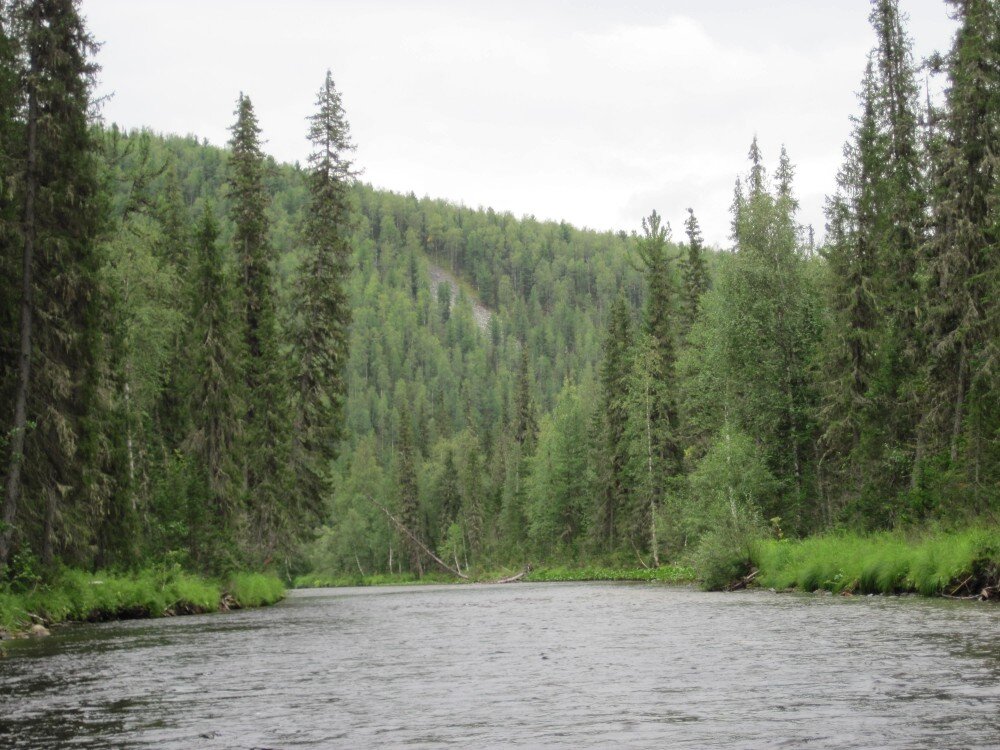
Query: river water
[{"x": 523, "y": 665}]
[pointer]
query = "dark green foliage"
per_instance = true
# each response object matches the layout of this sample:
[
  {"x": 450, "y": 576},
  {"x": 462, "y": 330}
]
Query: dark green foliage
[
  {"x": 322, "y": 313},
  {"x": 612, "y": 425},
  {"x": 57, "y": 454},
  {"x": 409, "y": 500},
  {"x": 210, "y": 396},
  {"x": 695, "y": 272},
  {"x": 216, "y": 399},
  {"x": 963, "y": 268},
  {"x": 268, "y": 428}
]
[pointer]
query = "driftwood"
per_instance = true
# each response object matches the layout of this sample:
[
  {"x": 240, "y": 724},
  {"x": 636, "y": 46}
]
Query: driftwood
[
  {"x": 989, "y": 592},
  {"x": 517, "y": 577},
  {"x": 402, "y": 527},
  {"x": 638, "y": 556},
  {"x": 743, "y": 582}
]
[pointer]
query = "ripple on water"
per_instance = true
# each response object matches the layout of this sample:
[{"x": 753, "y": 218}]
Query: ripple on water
[{"x": 527, "y": 665}]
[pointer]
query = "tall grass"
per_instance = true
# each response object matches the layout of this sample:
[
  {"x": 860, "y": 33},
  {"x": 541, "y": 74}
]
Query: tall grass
[
  {"x": 953, "y": 563},
  {"x": 155, "y": 592},
  {"x": 255, "y": 589}
]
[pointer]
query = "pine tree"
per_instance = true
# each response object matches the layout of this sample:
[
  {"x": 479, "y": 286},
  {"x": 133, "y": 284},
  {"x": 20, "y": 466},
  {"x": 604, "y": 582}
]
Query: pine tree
[
  {"x": 59, "y": 355},
  {"x": 267, "y": 423},
  {"x": 323, "y": 314}
]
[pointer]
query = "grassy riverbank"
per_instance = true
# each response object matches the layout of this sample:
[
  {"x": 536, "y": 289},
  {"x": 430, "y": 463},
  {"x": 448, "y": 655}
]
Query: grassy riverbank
[
  {"x": 666, "y": 574},
  {"x": 78, "y": 596},
  {"x": 960, "y": 563}
]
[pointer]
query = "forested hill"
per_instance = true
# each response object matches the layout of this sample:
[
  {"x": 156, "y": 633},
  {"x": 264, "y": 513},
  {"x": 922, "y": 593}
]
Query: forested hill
[{"x": 416, "y": 354}]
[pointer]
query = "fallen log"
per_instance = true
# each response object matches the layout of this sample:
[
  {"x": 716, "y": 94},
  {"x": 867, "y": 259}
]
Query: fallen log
[
  {"x": 516, "y": 577},
  {"x": 402, "y": 527},
  {"x": 743, "y": 582}
]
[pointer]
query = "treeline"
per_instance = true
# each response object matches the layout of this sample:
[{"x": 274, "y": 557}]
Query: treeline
[
  {"x": 198, "y": 390},
  {"x": 161, "y": 399},
  {"x": 777, "y": 389}
]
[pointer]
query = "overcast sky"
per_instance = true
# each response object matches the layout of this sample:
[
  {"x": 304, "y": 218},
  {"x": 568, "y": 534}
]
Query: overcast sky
[{"x": 592, "y": 112}]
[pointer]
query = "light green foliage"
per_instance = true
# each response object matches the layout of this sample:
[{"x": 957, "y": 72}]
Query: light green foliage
[
  {"x": 255, "y": 589},
  {"x": 559, "y": 482}
]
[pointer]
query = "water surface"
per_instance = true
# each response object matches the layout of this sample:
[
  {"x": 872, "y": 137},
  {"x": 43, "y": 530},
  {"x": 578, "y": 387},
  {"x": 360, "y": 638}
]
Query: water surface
[{"x": 523, "y": 665}]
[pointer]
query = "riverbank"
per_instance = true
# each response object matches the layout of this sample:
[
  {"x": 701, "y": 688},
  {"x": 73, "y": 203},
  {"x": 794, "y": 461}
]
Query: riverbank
[
  {"x": 963, "y": 564},
  {"x": 663, "y": 574},
  {"x": 84, "y": 597}
]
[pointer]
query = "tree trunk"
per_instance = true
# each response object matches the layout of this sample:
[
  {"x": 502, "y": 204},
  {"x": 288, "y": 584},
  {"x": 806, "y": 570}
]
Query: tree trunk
[
  {"x": 956, "y": 425},
  {"x": 13, "y": 489}
]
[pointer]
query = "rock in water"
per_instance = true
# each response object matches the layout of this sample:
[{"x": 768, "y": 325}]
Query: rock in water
[{"x": 38, "y": 631}]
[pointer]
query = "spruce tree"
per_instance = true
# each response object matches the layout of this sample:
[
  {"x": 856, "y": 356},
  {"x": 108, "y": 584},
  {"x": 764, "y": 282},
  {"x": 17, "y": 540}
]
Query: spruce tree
[
  {"x": 695, "y": 272},
  {"x": 322, "y": 312},
  {"x": 215, "y": 391},
  {"x": 525, "y": 422},
  {"x": 613, "y": 416},
  {"x": 55, "y": 440},
  {"x": 768, "y": 334},
  {"x": 267, "y": 423},
  {"x": 10, "y": 244},
  {"x": 962, "y": 315},
  {"x": 657, "y": 390},
  {"x": 852, "y": 264},
  {"x": 898, "y": 227}
]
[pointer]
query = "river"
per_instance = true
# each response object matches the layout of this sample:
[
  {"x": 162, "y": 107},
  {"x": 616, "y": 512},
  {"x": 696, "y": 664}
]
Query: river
[{"x": 524, "y": 665}]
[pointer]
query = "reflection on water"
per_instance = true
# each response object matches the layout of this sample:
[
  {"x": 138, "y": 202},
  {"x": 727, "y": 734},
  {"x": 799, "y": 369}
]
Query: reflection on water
[{"x": 529, "y": 665}]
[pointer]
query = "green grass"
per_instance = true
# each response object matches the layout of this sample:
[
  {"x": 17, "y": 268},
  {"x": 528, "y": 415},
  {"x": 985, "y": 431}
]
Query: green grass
[
  {"x": 670, "y": 574},
  {"x": 79, "y": 596},
  {"x": 953, "y": 563}
]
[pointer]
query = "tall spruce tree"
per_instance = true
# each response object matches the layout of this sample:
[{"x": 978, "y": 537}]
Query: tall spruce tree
[
  {"x": 898, "y": 228},
  {"x": 613, "y": 417},
  {"x": 215, "y": 394},
  {"x": 322, "y": 314},
  {"x": 657, "y": 387},
  {"x": 768, "y": 334},
  {"x": 267, "y": 424},
  {"x": 55, "y": 441},
  {"x": 962, "y": 316},
  {"x": 852, "y": 264},
  {"x": 10, "y": 238}
]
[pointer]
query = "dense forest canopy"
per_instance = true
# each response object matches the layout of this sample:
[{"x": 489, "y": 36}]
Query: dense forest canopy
[{"x": 220, "y": 361}]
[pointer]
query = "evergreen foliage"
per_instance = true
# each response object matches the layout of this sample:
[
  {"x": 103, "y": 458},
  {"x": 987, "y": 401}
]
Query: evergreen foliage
[{"x": 235, "y": 393}]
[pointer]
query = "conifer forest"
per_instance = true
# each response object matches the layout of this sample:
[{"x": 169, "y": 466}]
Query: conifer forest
[{"x": 216, "y": 362}]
